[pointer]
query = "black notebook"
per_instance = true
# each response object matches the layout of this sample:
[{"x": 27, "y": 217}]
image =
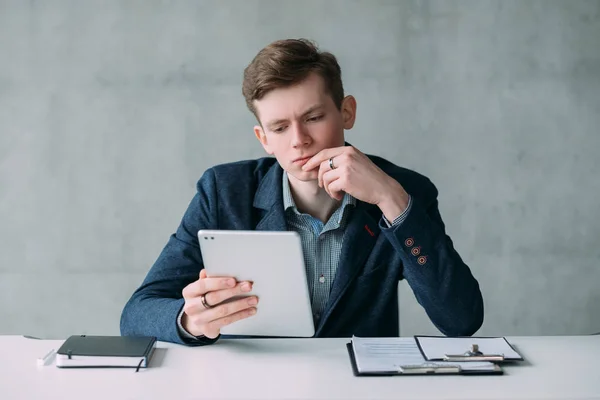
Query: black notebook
[{"x": 80, "y": 351}]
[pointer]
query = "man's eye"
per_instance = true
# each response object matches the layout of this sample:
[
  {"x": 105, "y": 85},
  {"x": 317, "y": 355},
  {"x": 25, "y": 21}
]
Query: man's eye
[
  {"x": 315, "y": 118},
  {"x": 279, "y": 129}
]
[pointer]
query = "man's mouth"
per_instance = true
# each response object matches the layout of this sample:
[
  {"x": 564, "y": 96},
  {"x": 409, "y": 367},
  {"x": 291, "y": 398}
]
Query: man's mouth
[{"x": 302, "y": 161}]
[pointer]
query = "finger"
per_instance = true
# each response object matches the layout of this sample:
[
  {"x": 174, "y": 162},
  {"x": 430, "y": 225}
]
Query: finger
[
  {"x": 193, "y": 289},
  {"x": 199, "y": 315},
  {"x": 321, "y": 156},
  {"x": 328, "y": 178},
  {"x": 213, "y": 329},
  {"x": 223, "y": 311},
  {"x": 219, "y": 296},
  {"x": 337, "y": 189},
  {"x": 201, "y": 286},
  {"x": 212, "y": 284},
  {"x": 323, "y": 168},
  {"x": 231, "y": 318},
  {"x": 193, "y": 307}
]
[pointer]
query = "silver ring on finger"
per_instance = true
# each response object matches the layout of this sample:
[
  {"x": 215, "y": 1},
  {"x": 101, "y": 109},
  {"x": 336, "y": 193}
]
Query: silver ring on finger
[
  {"x": 204, "y": 302},
  {"x": 331, "y": 163}
]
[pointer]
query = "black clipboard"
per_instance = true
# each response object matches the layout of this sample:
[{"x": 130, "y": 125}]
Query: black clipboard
[{"x": 425, "y": 371}]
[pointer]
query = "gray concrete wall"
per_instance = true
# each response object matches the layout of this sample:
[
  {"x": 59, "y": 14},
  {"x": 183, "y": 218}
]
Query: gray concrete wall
[{"x": 111, "y": 110}]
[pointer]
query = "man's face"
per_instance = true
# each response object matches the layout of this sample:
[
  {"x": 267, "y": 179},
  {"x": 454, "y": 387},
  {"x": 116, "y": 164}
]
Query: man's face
[{"x": 299, "y": 121}]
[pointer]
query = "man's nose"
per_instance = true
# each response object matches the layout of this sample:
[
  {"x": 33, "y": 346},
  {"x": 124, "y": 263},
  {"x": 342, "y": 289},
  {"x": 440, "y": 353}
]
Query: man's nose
[{"x": 300, "y": 135}]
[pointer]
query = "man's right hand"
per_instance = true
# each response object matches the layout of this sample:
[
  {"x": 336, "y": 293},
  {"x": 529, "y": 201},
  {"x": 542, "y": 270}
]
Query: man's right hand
[{"x": 199, "y": 320}]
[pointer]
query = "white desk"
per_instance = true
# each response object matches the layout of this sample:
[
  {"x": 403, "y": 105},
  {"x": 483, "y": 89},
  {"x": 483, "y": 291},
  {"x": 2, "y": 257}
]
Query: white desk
[{"x": 556, "y": 368}]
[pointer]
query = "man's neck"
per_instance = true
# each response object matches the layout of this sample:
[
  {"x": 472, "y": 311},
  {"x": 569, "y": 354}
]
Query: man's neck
[{"x": 311, "y": 199}]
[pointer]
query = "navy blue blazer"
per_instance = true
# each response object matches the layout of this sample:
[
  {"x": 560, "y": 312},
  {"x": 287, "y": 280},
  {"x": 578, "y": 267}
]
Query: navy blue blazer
[{"x": 247, "y": 195}]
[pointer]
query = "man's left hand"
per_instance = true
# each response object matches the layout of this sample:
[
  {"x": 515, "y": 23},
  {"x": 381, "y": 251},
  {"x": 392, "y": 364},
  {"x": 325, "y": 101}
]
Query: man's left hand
[{"x": 354, "y": 173}]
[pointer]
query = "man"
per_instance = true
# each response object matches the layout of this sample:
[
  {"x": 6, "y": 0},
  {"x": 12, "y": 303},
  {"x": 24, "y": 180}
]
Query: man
[{"x": 364, "y": 222}]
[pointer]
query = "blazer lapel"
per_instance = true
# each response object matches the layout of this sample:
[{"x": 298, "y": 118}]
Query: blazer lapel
[
  {"x": 269, "y": 200},
  {"x": 361, "y": 235}
]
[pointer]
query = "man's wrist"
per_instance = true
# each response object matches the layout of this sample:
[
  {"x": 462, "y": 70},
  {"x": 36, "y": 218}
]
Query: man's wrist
[
  {"x": 400, "y": 218},
  {"x": 394, "y": 202},
  {"x": 182, "y": 331}
]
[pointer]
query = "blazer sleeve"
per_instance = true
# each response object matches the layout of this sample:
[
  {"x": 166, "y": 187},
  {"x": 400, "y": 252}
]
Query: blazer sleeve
[
  {"x": 153, "y": 308},
  {"x": 442, "y": 283}
]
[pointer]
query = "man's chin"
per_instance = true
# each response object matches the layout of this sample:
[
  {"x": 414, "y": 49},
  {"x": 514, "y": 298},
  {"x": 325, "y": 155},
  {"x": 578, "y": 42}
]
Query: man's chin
[{"x": 304, "y": 176}]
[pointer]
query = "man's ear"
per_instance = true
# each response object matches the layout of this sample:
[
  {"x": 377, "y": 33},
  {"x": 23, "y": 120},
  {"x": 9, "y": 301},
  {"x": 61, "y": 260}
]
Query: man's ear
[
  {"x": 262, "y": 138},
  {"x": 348, "y": 111}
]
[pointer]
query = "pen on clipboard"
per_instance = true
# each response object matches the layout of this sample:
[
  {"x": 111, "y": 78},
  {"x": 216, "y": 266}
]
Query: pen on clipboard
[
  {"x": 429, "y": 369},
  {"x": 44, "y": 360}
]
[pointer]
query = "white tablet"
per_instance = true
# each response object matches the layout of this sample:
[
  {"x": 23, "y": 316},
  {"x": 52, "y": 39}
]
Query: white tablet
[{"x": 274, "y": 262}]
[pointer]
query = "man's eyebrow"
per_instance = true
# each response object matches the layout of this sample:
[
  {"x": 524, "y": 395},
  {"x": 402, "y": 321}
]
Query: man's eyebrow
[
  {"x": 311, "y": 109},
  {"x": 275, "y": 122}
]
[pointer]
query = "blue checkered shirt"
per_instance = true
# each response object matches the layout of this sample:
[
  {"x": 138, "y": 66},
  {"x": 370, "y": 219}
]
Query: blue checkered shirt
[{"x": 321, "y": 245}]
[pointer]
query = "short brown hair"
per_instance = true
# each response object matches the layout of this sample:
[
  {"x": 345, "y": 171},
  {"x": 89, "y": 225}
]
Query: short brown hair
[{"x": 288, "y": 62}]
